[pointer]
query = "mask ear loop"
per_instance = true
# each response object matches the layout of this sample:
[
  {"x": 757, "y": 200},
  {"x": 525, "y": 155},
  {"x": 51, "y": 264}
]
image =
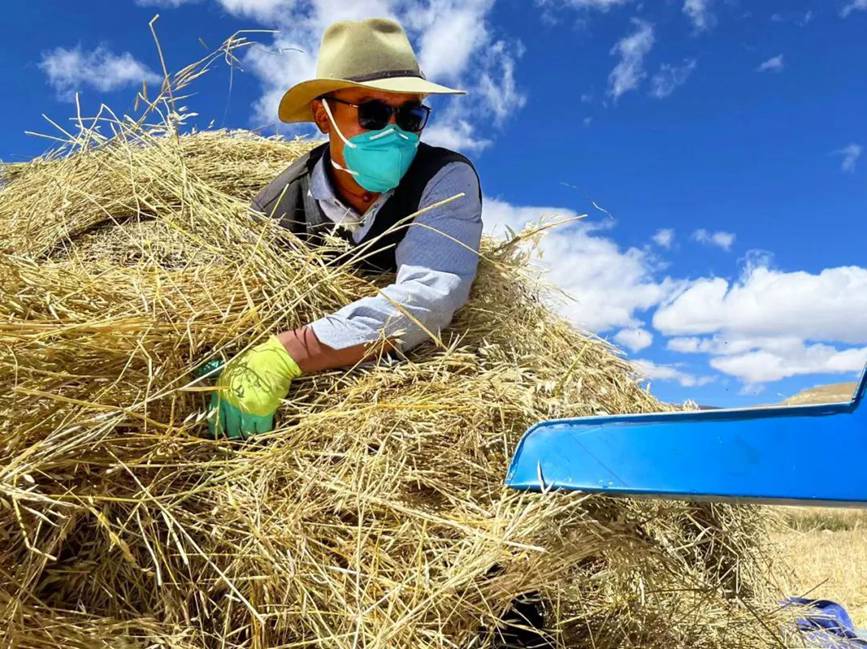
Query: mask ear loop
[{"x": 351, "y": 145}]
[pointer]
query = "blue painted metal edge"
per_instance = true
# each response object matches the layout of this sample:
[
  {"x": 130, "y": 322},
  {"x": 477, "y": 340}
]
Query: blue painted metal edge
[
  {"x": 858, "y": 397},
  {"x": 596, "y": 427}
]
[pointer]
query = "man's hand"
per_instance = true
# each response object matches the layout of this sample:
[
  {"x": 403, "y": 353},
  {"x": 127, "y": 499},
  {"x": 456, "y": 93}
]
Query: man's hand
[{"x": 249, "y": 390}]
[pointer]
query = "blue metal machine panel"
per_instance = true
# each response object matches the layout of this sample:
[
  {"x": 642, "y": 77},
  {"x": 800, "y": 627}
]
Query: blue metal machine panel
[{"x": 800, "y": 454}]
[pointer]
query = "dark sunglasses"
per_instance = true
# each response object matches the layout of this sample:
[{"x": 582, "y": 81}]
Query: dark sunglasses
[{"x": 375, "y": 114}]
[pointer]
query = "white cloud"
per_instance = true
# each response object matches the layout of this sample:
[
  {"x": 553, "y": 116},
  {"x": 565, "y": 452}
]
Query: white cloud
[
  {"x": 262, "y": 10},
  {"x": 664, "y": 237},
  {"x": 498, "y": 216},
  {"x": 454, "y": 132},
  {"x": 770, "y": 325},
  {"x": 265, "y": 11},
  {"x": 699, "y": 13},
  {"x": 631, "y": 49},
  {"x": 732, "y": 344},
  {"x": 497, "y": 85},
  {"x": 764, "y": 327},
  {"x": 449, "y": 33},
  {"x": 70, "y": 70},
  {"x": 548, "y": 16},
  {"x": 669, "y": 77},
  {"x": 850, "y": 155},
  {"x": 773, "y": 64},
  {"x": 607, "y": 285},
  {"x": 757, "y": 360},
  {"x": 690, "y": 345},
  {"x": 765, "y": 303},
  {"x": 763, "y": 365},
  {"x": 854, "y": 5},
  {"x": 755, "y": 258},
  {"x": 603, "y": 5},
  {"x": 634, "y": 339},
  {"x": 650, "y": 370},
  {"x": 291, "y": 57},
  {"x": 720, "y": 238}
]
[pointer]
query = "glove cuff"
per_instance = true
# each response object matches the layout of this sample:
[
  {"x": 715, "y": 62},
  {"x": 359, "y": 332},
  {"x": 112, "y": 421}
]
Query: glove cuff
[{"x": 287, "y": 364}]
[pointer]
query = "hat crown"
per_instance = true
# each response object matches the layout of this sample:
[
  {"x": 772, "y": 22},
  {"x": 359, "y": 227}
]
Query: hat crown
[
  {"x": 362, "y": 50},
  {"x": 373, "y": 53}
]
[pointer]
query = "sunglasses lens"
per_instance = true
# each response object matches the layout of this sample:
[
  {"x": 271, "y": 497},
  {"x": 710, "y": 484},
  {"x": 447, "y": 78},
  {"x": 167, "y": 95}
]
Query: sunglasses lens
[
  {"x": 412, "y": 117},
  {"x": 373, "y": 115}
]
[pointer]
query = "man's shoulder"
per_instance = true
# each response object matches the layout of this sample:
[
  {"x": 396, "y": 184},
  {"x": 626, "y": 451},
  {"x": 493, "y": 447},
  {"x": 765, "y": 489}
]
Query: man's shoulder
[
  {"x": 301, "y": 165},
  {"x": 443, "y": 154},
  {"x": 296, "y": 169},
  {"x": 454, "y": 171}
]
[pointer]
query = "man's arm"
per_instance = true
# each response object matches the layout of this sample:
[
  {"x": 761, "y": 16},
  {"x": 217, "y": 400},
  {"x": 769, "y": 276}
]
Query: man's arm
[
  {"x": 437, "y": 262},
  {"x": 314, "y": 356}
]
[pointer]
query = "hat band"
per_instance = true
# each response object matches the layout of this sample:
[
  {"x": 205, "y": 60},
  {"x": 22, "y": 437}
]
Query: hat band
[{"x": 387, "y": 74}]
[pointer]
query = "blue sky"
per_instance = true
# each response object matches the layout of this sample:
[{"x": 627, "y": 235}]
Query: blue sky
[{"x": 715, "y": 145}]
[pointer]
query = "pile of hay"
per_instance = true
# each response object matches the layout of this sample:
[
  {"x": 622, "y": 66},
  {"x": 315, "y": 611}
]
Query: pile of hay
[{"x": 374, "y": 515}]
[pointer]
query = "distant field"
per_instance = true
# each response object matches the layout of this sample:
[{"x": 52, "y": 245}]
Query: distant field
[
  {"x": 826, "y": 550},
  {"x": 822, "y": 394}
]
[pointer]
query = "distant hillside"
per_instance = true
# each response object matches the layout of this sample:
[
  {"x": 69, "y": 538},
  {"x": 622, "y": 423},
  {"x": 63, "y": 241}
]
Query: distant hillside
[{"x": 830, "y": 393}]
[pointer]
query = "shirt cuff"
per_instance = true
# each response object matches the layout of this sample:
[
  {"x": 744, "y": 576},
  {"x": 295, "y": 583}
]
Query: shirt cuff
[{"x": 339, "y": 332}]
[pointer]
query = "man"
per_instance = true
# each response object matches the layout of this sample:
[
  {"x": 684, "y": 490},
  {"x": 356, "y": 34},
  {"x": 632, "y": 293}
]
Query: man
[{"x": 362, "y": 185}]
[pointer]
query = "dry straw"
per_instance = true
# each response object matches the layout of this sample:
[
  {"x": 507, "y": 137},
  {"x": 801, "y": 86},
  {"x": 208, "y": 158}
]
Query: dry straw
[{"x": 374, "y": 515}]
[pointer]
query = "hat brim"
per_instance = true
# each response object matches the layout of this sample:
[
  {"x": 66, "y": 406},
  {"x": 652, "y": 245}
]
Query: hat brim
[{"x": 295, "y": 104}]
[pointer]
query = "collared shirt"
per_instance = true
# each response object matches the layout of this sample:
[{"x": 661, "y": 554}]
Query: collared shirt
[
  {"x": 436, "y": 262},
  {"x": 335, "y": 209}
]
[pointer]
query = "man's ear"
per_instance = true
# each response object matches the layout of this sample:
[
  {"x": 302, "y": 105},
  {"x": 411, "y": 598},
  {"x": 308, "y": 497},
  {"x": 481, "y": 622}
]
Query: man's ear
[{"x": 319, "y": 116}]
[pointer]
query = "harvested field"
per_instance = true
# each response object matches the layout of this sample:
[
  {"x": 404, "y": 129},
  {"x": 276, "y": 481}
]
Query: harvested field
[
  {"x": 824, "y": 549},
  {"x": 374, "y": 515},
  {"x": 832, "y": 393},
  {"x": 825, "y": 556}
]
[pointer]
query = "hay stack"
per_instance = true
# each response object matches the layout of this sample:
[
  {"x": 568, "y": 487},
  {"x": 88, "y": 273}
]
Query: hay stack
[{"x": 374, "y": 516}]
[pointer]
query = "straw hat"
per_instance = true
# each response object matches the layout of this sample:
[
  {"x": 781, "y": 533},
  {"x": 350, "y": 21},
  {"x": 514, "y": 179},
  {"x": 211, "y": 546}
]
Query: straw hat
[{"x": 373, "y": 53}]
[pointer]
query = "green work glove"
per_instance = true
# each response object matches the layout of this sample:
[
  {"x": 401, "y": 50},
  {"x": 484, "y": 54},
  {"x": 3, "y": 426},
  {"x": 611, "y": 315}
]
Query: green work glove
[{"x": 249, "y": 390}]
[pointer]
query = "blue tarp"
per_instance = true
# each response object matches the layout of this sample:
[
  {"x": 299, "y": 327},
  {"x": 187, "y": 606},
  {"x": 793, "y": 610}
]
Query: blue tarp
[{"x": 827, "y": 624}]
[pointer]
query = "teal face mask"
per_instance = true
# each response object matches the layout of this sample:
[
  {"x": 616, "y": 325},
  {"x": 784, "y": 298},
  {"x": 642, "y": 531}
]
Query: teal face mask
[{"x": 377, "y": 160}]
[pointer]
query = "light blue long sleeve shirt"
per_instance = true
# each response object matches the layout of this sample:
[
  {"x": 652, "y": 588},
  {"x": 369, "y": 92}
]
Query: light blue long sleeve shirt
[{"x": 436, "y": 262}]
